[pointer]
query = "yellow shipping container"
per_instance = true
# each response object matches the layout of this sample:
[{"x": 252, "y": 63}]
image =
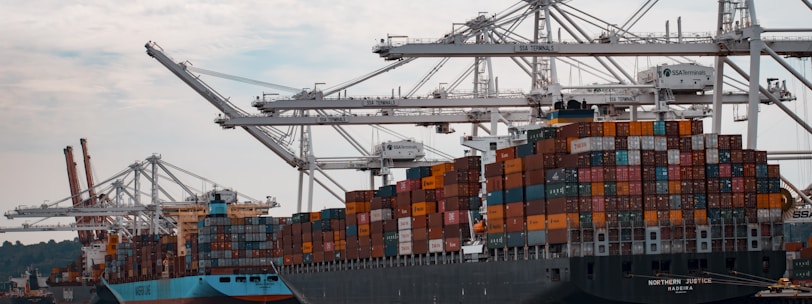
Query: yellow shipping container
[{"x": 431, "y": 182}]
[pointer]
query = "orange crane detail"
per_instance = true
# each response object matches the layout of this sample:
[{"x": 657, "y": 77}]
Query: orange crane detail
[
  {"x": 91, "y": 191},
  {"x": 73, "y": 180}
]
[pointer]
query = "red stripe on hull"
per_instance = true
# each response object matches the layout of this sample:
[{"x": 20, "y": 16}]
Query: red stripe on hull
[{"x": 222, "y": 300}]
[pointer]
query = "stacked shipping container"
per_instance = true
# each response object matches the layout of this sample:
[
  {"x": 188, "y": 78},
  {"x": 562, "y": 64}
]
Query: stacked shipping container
[
  {"x": 428, "y": 212},
  {"x": 623, "y": 181}
]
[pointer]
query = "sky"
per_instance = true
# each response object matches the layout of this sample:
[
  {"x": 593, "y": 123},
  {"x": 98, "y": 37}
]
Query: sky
[{"x": 79, "y": 70}]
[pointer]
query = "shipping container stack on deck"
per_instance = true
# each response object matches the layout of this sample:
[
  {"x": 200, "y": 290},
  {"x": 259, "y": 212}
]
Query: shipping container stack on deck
[
  {"x": 428, "y": 212},
  {"x": 638, "y": 187},
  {"x": 799, "y": 262}
]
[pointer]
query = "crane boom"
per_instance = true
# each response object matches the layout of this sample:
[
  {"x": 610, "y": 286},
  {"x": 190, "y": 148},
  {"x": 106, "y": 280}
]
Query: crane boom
[
  {"x": 91, "y": 190},
  {"x": 180, "y": 70},
  {"x": 73, "y": 182}
]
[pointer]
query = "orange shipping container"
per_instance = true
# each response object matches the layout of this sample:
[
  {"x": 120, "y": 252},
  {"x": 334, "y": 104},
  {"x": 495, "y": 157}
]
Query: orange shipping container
[
  {"x": 536, "y": 222},
  {"x": 514, "y": 165},
  {"x": 684, "y": 128},
  {"x": 557, "y": 221},
  {"x": 363, "y": 230},
  {"x": 622, "y": 188},
  {"x": 635, "y": 129},
  {"x": 674, "y": 187},
  {"x": 574, "y": 220},
  {"x": 494, "y": 183},
  {"x": 650, "y": 217},
  {"x": 496, "y": 225},
  {"x": 315, "y": 216},
  {"x": 609, "y": 128},
  {"x": 763, "y": 201},
  {"x": 439, "y": 169},
  {"x": 357, "y": 207},
  {"x": 424, "y": 208},
  {"x": 597, "y": 189},
  {"x": 701, "y": 216},
  {"x": 496, "y": 211},
  {"x": 599, "y": 219},
  {"x": 431, "y": 182},
  {"x": 647, "y": 128},
  {"x": 775, "y": 200},
  {"x": 675, "y": 216},
  {"x": 307, "y": 247}
]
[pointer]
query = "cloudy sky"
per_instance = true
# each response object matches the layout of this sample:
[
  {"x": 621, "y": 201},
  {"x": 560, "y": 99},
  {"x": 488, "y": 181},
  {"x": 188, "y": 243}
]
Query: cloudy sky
[{"x": 79, "y": 70}]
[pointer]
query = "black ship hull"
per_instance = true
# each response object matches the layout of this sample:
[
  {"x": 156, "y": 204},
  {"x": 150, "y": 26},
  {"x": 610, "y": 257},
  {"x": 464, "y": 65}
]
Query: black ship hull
[{"x": 555, "y": 280}]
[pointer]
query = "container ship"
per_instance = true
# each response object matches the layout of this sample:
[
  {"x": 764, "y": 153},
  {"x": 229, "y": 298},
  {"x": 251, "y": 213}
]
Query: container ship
[
  {"x": 225, "y": 257},
  {"x": 598, "y": 212},
  {"x": 29, "y": 288}
]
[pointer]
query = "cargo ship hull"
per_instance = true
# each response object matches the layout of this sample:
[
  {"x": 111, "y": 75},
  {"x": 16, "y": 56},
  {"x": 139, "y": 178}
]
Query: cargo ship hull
[
  {"x": 202, "y": 289},
  {"x": 555, "y": 280}
]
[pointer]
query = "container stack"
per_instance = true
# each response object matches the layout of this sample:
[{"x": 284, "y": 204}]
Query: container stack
[
  {"x": 799, "y": 262},
  {"x": 226, "y": 244},
  {"x": 624, "y": 179},
  {"x": 429, "y": 212}
]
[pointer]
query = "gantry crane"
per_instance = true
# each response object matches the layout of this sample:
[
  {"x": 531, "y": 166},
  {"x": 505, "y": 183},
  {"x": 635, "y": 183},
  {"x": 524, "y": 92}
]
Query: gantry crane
[{"x": 487, "y": 37}]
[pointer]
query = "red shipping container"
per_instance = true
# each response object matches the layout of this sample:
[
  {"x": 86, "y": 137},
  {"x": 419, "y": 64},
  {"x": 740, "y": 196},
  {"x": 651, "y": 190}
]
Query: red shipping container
[
  {"x": 514, "y": 224},
  {"x": 435, "y": 233},
  {"x": 534, "y": 177},
  {"x": 536, "y": 207},
  {"x": 452, "y": 244},
  {"x": 686, "y": 159},
  {"x": 514, "y": 209},
  {"x": 403, "y": 212},
  {"x": 435, "y": 220},
  {"x": 584, "y": 175},
  {"x": 598, "y": 204},
  {"x": 362, "y": 218},
  {"x": 622, "y": 173},
  {"x": 505, "y": 154},
  {"x": 495, "y": 169},
  {"x": 455, "y": 217},
  {"x": 419, "y": 221},
  {"x": 596, "y": 174}
]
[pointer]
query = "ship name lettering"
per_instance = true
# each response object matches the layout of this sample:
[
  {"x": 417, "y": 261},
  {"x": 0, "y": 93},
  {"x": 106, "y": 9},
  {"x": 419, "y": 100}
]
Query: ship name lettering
[
  {"x": 681, "y": 288},
  {"x": 699, "y": 281},
  {"x": 668, "y": 282},
  {"x": 143, "y": 290}
]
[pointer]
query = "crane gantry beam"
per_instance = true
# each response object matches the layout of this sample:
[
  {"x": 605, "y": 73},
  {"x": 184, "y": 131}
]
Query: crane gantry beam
[{"x": 394, "y": 51}]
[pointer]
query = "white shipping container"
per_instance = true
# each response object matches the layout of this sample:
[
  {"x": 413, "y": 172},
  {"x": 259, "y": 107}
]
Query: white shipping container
[
  {"x": 698, "y": 142},
  {"x": 634, "y": 158},
  {"x": 646, "y": 142},
  {"x": 405, "y": 248},
  {"x": 379, "y": 215},
  {"x": 405, "y": 223},
  {"x": 660, "y": 143},
  {"x": 673, "y": 157},
  {"x": 763, "y": 215},
  {"x": 712, "y": 141},
  {"x": 580, "y": 145},
  {"x": 634, "y": 142},
  {"x": 586, "y": 144},
  {"x": 405, "y": 236},
  {"x": 775, "y": 214},
  {"x": 609, "y": 143},
  {"x": 712, "y": 156},
  {"x": 436, "y": 245}
]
